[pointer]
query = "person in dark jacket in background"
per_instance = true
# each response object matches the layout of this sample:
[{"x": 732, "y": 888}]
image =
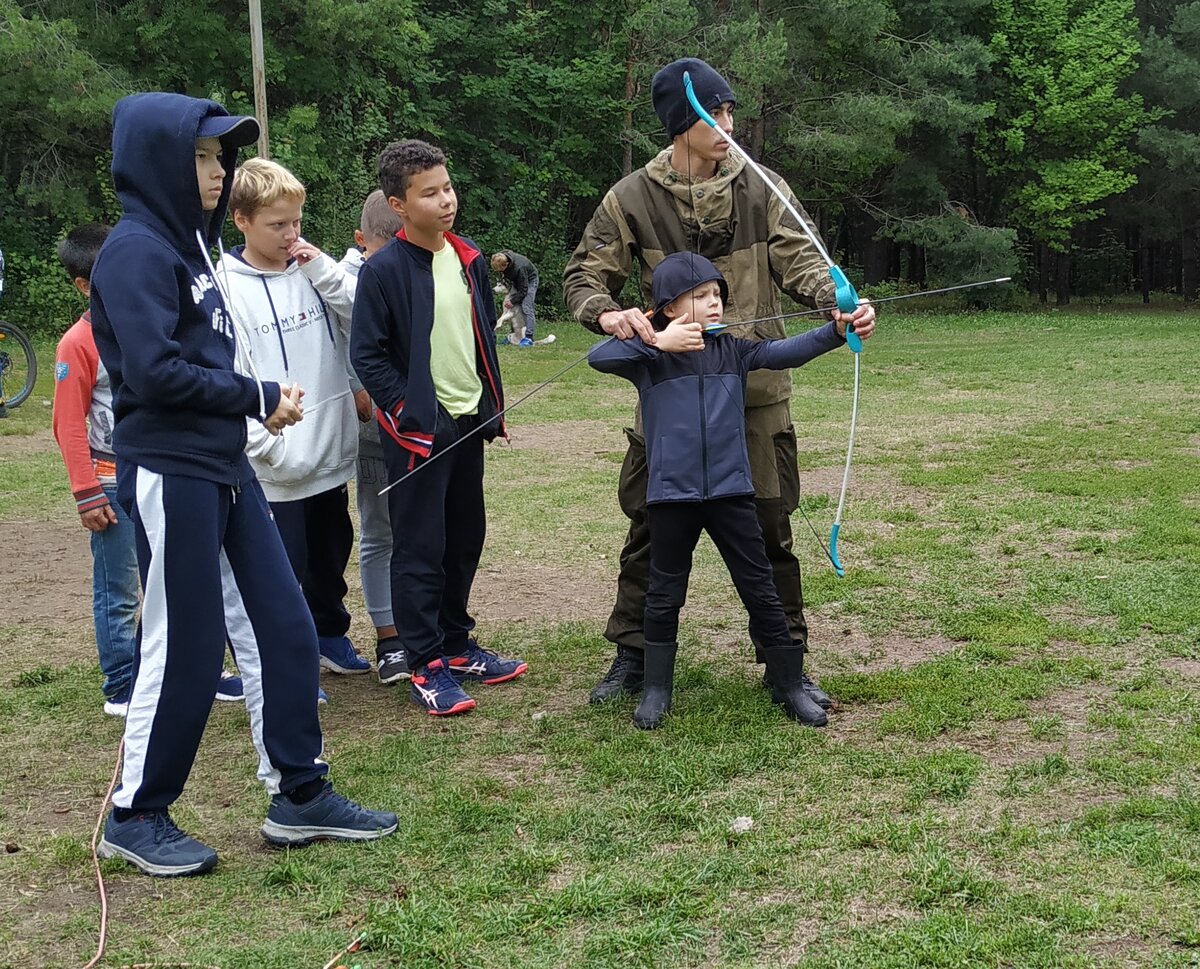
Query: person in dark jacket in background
[
  {"x": 522, "y": 278},
  {"x": 211, "y": 560},
  {"x": 421, "y": 343},
  {"x": 693, "y": 411}
]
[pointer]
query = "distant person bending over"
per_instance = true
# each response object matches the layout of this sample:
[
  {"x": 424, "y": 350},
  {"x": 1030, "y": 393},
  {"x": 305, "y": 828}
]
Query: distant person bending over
[{"x": 522, "y": 278}]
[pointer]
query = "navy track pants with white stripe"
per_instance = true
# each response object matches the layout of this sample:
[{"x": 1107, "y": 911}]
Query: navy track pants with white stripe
[{"x": 213, "y": 567}]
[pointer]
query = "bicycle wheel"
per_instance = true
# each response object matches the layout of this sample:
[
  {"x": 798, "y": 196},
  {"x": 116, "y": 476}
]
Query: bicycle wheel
[{"x": 18, "y": 366}]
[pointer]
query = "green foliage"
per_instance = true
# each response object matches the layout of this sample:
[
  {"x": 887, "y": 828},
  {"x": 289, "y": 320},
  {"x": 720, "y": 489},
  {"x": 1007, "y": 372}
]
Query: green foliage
[
  {"x": 1061, "y": 134},
  {"x": 957, "y": 249},
  {"x": 890, "y": 118}
]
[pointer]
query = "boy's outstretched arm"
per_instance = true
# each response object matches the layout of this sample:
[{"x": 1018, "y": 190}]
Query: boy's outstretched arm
[
  {"x": 795, "y": 351},
  {"x": 144, "y": 315}
]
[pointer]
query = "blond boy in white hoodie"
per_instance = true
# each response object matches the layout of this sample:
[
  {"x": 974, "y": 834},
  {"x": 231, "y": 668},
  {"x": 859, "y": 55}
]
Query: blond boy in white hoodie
[{"x": 293, "y": 305}]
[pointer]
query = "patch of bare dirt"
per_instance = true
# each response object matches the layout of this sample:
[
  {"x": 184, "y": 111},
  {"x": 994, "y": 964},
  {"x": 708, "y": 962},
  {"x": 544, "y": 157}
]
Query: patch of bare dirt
[
  {"x": 530, "y": 591},
  {"x": 862, "y": 654},
  {"x": 23, "y": 445},
  {"x": 1127, "y": 950},
  {"x": 569, "y": 437},
  {"x": 48, "y": 574},
  {"x": 1189, "y": 668}
]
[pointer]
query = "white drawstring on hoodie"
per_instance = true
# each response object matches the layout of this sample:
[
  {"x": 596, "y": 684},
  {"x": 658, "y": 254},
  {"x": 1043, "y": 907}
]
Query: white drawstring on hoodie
[{"x": 239, "y": 338}]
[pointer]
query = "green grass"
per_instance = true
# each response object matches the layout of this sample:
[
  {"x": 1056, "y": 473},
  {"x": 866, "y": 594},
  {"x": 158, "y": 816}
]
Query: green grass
[{"x": 1012, "y": 778}]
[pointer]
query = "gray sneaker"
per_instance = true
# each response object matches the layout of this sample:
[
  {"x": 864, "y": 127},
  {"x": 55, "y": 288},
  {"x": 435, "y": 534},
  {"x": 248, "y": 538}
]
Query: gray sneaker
[
  {"x": 392, "y": 666},
  {"x": 154, "y": 845},
  {"x": 328, "y": 816}
]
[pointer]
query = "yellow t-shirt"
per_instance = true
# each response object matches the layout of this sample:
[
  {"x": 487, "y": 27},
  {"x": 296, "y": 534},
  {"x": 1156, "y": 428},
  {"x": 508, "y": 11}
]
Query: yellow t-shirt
[{"x": 452, "y": 343}]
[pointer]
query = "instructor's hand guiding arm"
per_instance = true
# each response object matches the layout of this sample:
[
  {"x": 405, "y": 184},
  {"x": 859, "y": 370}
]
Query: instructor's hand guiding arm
[{"x": 625, "y": 323}]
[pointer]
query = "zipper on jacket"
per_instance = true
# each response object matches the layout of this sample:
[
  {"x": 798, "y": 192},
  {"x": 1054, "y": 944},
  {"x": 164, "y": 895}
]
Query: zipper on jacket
[
  {"x": 703, "y": 433},
  {"x": 479, "y": 342}
]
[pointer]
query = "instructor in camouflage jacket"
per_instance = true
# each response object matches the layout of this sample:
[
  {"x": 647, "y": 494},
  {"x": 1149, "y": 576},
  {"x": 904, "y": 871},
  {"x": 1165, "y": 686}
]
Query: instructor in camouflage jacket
[{"x": 696, "y": 196}]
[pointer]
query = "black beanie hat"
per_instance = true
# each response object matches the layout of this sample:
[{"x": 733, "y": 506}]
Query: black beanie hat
[
  {"x": 670, "y": 100},
  {"x": 680, "y": 273}
]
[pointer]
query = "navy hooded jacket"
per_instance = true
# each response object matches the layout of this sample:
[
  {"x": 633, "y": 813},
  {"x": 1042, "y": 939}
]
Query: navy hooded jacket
[
  {"x": 161, "y": 327},
  {"x": 694, "y": 406},
  {"x": 390, "y": 333}
]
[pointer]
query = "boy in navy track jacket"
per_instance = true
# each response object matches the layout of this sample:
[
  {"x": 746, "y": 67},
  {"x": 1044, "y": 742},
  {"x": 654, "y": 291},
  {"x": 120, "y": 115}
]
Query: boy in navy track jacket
[
  {"x": 212, "y": 565},
  {"x": 693, "y": 399},
  {"x": 422, "y": 345}
]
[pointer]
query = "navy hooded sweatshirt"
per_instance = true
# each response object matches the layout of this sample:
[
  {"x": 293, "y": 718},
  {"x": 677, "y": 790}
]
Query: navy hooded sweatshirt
[
  {"x": 161, "y": 327},
  {"x": 694, "y": 406}
]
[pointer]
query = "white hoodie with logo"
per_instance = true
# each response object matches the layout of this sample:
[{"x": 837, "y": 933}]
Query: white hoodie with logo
[{"x": 297, "y": 326}]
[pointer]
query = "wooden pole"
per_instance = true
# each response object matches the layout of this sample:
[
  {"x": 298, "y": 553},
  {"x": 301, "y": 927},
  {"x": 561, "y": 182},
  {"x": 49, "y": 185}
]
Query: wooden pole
[{"x": 260, "y": 78}]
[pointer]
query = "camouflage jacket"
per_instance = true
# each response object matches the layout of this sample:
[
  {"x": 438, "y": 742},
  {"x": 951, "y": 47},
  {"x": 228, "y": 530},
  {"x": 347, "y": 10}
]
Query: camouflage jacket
[{"x": 732, "y": 219}]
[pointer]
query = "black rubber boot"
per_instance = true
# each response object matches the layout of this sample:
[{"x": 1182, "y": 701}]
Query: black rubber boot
[
  {"x": 785, "y": 667},
  {"x": 819, "y": 696},
  {"x": 660, "y": 678},
  {"x": 624, "y": 677}
]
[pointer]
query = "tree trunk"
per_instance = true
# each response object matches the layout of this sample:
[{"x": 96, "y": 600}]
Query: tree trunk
[
  {"x": 876, "y": 254},
  {"x": 916, "y": 264},
  {"x": 1187, "y": 259},
  {"x": 1146, "y": 255},
  {"x": 627, "y": 128},
  {"x": 1043, "y": 272},
  {"x": 1062, "y": 278}
]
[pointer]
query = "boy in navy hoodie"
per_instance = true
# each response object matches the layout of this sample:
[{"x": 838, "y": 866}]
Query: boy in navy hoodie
[
  {"x": 211, "y": 561},
  {"x": 422, "y": 344},
  {"x": 693, "y": 409}
]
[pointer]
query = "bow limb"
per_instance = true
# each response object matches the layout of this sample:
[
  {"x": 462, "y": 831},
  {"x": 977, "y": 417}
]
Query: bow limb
[{"x": 837, "y": 521}]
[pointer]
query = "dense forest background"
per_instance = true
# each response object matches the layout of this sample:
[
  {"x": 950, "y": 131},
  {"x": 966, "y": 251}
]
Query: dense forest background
[{"x": 933, "y": 140}]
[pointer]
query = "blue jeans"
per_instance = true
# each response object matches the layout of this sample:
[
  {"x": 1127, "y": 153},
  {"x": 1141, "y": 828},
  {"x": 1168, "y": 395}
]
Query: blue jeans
[{"x": 115, "y": 598}]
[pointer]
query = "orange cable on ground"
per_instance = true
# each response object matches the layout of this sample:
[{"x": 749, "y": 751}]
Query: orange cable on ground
[{"x": 112, "y": 786}]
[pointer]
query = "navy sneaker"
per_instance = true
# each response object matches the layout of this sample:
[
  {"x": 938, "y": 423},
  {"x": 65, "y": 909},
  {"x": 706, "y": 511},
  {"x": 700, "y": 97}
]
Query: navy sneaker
[
  {"x": 322, "y": 696},
  {"x": 436, "y": 691},
  {"x": 338, "y": 655},
  {"x": 118, "y": 706},
  {"x": 328, "y": 816},
  {"x": 154, "y": 845},
  {"x": 230, "y": 688},
  {"x": 484, "y": 665},
  {"x": 525, "y": 342}
]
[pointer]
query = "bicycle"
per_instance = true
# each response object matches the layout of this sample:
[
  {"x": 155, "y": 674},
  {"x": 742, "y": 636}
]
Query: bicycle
[{"x": 18, "y": 364}]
